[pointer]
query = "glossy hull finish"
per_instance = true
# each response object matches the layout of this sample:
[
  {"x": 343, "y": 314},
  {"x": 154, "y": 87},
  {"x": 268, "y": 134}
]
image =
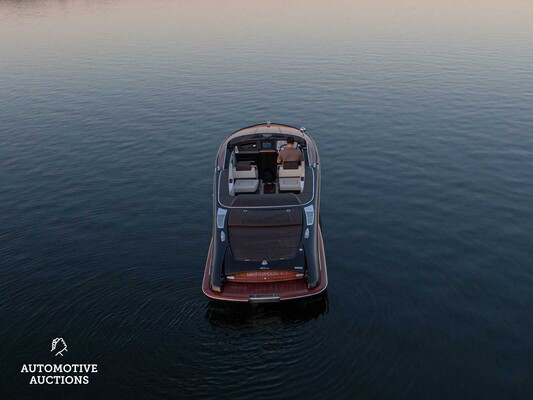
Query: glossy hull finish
[
  {"x": 235, "y": 286},
  {"x": 268, "y": 291}
]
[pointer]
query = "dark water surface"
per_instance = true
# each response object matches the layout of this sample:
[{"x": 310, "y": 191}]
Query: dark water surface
[{"x": 110, "y": 116}]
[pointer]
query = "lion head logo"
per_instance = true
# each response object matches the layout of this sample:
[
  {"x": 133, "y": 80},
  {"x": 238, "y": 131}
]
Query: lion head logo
[{"x": 60, "y": 345}]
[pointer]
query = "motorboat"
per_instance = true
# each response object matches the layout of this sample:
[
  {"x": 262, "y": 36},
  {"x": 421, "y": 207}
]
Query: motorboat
[{"x": 266, "y": 243}]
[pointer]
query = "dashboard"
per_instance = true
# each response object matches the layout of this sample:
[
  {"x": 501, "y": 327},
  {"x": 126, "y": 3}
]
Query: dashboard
[{"x": 260, "y": 146}]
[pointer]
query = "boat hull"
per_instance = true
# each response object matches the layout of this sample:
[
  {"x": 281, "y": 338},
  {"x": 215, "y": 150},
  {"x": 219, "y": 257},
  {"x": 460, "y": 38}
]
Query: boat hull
[{"x": 266, "y": 292}]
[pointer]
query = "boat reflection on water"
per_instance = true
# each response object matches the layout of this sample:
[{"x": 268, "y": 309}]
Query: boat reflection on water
[{"x": 223, "y": 314}]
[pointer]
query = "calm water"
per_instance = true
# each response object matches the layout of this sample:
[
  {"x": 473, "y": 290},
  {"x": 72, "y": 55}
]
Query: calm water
[{"x": 110, "y": 116}]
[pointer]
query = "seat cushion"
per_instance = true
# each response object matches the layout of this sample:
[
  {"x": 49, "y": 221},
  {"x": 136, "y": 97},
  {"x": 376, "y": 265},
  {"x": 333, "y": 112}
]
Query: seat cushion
[
  {"x": 246, "y": 185},
  {"x": 243, "y": 166},
  {"x": 290, "y": 173},
  {"x": 250, "y": 173},
  {"x": 292, "y": 184},
  {"x": 291, "y": 164}
]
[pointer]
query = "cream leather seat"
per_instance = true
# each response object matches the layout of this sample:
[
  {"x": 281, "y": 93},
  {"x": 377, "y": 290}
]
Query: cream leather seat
[
  {"x": 246, "y": 185},
  {"x": 245, "y": 177},
  {"x": 291, "y": 176}
]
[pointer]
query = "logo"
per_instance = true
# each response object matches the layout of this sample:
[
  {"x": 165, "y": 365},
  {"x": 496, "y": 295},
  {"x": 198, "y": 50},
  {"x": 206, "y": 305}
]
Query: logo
[
  {"x": 59, "y": 343},
  {"x": 59, "y": 374}
]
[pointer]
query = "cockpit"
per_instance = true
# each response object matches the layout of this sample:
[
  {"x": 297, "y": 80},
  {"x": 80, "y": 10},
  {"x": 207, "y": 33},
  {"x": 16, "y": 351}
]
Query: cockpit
[{"x": 253, "y": 166}]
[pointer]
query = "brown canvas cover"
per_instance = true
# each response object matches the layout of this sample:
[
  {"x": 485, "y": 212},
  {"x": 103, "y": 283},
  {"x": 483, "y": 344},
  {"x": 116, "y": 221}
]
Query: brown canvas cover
[
  {"x": 253, "y": 218},
  {"x": 265, "y": 235}
]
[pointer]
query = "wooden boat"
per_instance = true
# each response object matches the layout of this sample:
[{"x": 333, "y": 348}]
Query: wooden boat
[{"x": 267, "y": 243}]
